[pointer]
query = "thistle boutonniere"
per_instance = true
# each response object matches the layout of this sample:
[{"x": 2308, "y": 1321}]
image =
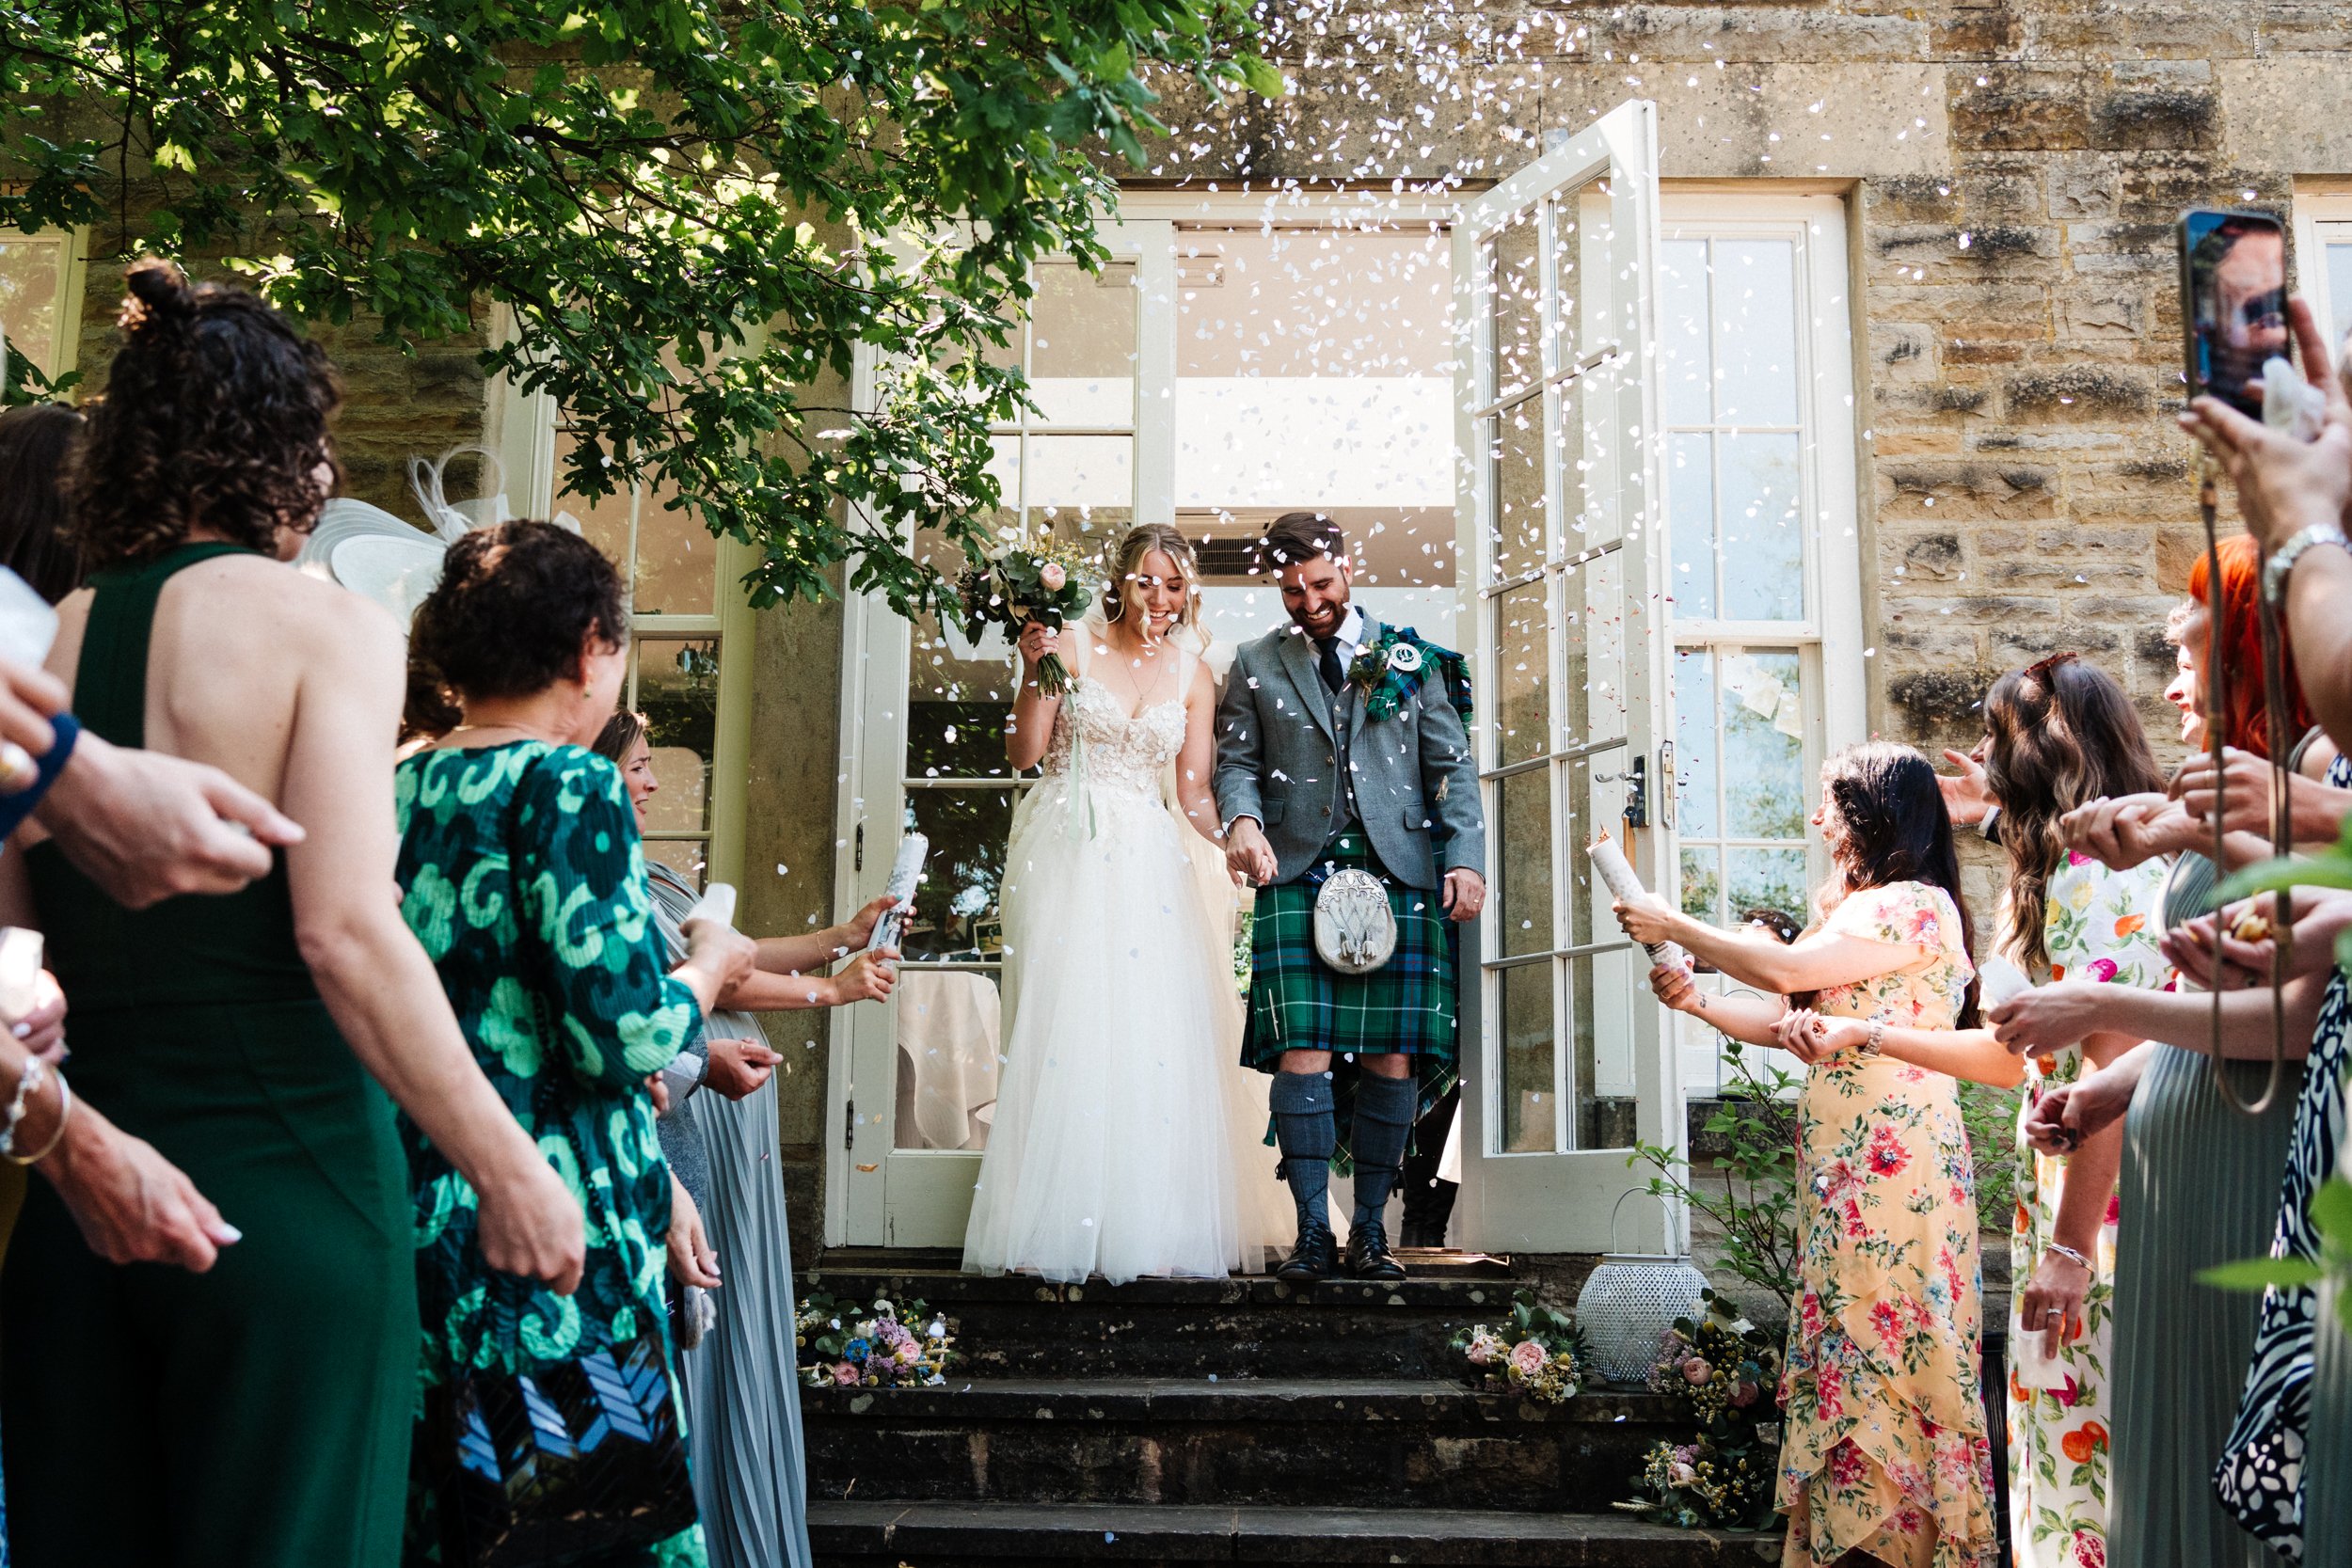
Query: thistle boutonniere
[{"x": 1391, "y": 668}]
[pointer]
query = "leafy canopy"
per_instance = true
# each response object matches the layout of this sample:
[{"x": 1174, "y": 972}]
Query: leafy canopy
[{"x": 693, "y": 208}]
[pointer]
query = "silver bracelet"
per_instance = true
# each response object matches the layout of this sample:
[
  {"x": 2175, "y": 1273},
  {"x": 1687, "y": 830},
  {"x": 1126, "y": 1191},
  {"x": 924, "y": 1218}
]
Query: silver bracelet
[
  {"x": 27, "y": 1085},
  {"x": 64, "y": 1114},
  {"x": 2065, "y": 1251},
  {"x": 1871, "y": 1046},
  {"x": 2280, "y": 565}
]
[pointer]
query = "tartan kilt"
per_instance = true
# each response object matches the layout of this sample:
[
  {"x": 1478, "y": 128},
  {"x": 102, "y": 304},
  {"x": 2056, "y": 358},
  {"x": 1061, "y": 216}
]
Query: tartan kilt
[{"x": 1298, "y": 1003}]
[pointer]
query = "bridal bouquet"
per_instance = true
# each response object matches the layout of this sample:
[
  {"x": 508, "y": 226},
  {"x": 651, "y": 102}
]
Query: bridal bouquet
[
  {"x": 1536, "y": 1352},
  {"x": 1045, "y": 583},
  {"x": 845, "y": 1345},
  {"x": 1726, "y": 1373}
]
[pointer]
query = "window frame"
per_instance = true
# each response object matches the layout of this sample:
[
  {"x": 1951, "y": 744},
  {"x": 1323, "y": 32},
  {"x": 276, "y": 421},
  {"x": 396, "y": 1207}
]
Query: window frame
[
  {"x": 522, "y": 428},
  {"x": 72, "y": 290},
  {"x": 2319, "y": 215},
  {"x": 1832, "y": 657}
]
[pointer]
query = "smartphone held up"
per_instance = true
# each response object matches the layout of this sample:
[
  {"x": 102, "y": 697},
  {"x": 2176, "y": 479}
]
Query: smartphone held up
[{"x": 2234, "y": 303}]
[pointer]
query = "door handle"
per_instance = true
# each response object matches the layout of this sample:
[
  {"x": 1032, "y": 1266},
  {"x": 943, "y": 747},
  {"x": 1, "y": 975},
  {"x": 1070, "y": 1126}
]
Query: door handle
[
  {"x": 1666, "y": 785},
  {"x": 1637, "y": 793}
]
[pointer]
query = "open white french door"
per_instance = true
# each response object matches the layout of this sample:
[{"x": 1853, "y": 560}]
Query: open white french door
[
  {"x": 1561, "y": 524},
  {"x": 923, "y": 714}
]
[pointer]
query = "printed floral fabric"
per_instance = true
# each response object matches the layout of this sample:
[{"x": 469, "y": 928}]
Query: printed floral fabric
[
  {"x": 1885, "y": 1448},
  {"x": 566, "y": 1023},
  {"x": 2098, "y": 924}
]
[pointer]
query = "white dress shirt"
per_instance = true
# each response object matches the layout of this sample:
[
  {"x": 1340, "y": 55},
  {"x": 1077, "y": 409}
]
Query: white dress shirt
[{"x": 1349, "y": 639}]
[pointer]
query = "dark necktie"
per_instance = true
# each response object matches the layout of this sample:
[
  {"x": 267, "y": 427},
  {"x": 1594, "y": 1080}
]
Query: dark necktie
[{"x": 1327, "y": 661}]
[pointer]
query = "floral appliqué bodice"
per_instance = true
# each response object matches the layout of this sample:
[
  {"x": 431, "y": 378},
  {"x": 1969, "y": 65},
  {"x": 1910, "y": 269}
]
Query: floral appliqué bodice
[{"x": 1097, "y": 744}]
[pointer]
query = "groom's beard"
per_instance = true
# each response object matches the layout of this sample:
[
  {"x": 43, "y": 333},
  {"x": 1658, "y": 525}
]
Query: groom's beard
[{"x": 1337, "y": 611}]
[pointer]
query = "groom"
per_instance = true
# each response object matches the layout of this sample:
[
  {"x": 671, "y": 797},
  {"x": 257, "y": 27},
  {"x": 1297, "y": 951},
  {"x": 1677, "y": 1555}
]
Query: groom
[{"x": 1309, "y": 780}]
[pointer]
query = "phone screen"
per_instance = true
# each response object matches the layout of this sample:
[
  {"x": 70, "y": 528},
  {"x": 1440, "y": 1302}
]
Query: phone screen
[{"x": 2234, "y": 303}]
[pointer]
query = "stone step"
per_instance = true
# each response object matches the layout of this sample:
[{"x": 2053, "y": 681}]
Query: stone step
[
  {"x": 1350, "y": 1442},
  {"x": 936, "y": 1535},
  {"x": 1251, "y": 1326}
]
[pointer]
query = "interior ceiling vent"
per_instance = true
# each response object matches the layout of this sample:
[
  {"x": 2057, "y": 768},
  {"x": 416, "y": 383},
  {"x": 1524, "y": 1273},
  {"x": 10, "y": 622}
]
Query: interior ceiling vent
[{"x": 1225, "y": 558}]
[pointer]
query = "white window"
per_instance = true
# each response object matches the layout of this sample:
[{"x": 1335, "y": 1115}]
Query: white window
[
  {"x": 41, "y": 298},
  {"x": 690, "y": 650},
  {"x": 1762, "y": 566},
  {"x": 2322, "y": 260}
]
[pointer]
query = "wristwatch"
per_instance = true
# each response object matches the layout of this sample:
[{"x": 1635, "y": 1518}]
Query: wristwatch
[{"x": 2282, "y": 563}]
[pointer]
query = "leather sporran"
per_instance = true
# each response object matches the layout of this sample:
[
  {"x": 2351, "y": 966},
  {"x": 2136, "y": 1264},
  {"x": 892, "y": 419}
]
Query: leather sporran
[{"x": 1355, "y": 927}]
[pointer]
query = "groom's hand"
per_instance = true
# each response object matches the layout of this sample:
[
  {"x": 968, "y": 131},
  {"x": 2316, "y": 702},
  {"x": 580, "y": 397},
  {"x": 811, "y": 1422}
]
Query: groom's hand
[
  {"x": 1464, "y": 895},
  {"x": 1247, "y": 855}
]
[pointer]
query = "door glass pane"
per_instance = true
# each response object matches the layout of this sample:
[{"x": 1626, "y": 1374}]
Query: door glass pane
[
  {"x": 1695, "y": 748},
  {"x": 1595, "y": 693},
  {"x": 959, "y": 702},
  {"x": 1755, "y": 331},
  {"x": 2339, "y": 264},
  {"x": 1522, "y": 863},
  {"x": 1530, "y": 1110},
  {"x": 1763, "y": 742},
  {"x": 1763, "y": 545},
  {"x": 1685, "y": 351},
  {"x": 1602, "y": 988},
  {"x": 1523, "y": 701},
  {"x": 605, "y": 522},
  {"x": 1082, "y": 345},
  {"x": 1516, "y": 451},
  {"x": 1595, "y": 786},
  {"x": 688, "y": 857},
  {"x": 678, "y": 692},
  {"x": 1517, "y": 303},
  {"x": 1768, "y": 879},
  {"x": 32, "y": 288},
  {"x": 1703, "y": 883},
  {"x": 949, "y": 1037},
  {"x": 1691, "y": 513},
  {"x": 678, "y": 559},
  {"x": 955, "y": 917}
]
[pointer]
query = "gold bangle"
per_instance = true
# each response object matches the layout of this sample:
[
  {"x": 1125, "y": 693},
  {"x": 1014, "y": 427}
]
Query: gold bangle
[{"x": 64, "y": 1114}]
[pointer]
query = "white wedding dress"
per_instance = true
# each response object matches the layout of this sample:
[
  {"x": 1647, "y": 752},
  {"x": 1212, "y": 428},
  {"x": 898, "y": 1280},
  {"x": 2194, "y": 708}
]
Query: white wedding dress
[{"x": 1120, "y": 1146}]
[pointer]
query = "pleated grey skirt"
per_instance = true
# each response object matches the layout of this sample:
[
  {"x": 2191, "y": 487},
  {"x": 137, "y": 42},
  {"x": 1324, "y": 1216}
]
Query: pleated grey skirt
[
  {"x": 743, "y": 1406},
  {"x": 2199, "y": 1186}
]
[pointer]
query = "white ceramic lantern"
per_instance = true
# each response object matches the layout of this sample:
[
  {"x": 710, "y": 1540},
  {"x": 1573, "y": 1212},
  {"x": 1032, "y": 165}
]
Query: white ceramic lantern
[{"x": 1630, "y": 1302}]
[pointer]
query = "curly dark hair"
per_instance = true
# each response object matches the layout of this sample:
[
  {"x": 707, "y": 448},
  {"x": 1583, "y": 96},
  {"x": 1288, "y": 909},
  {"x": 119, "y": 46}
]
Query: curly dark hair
[
  {"x": 34, "y": 443},
  {"x": 216, "y": 411},
  {"x": 513, "y": 606}
]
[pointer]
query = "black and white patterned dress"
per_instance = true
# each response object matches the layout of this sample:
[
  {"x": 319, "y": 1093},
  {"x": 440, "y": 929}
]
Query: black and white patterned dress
[{"x": 2260, "y": 1476}]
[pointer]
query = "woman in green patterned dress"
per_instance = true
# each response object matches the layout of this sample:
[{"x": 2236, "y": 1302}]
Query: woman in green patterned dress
[{"x": 506, "y": 816}]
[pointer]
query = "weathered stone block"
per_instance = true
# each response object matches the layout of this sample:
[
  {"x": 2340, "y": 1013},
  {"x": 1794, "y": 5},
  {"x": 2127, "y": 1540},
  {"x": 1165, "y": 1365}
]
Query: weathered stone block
[
  {"x": 1965, "y": 492},
  {"x": 2081, "y": 392},
  {"x": 2081, "y": 186},
  {"x": 2017, "y": 108},
  {"x": 2106, "y": 311},
  {"x": 1902, "y": 351}
]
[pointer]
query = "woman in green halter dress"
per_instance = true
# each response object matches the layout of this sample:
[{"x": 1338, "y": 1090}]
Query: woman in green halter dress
[{"x": 255, "y": 1415}]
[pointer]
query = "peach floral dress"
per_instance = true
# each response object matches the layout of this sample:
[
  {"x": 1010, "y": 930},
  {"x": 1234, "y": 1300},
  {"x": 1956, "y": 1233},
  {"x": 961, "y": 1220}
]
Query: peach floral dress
[{"x": 1885, "y": 1448}]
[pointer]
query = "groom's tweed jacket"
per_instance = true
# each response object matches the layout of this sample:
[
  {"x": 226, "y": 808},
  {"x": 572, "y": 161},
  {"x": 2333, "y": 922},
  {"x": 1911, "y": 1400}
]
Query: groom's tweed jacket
[{"x": 1276, "y": 761}]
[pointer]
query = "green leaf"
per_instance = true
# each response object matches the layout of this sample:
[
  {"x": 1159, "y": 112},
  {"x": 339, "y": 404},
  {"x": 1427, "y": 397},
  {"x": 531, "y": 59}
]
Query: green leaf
[{"x": 2256, "y": 1274}]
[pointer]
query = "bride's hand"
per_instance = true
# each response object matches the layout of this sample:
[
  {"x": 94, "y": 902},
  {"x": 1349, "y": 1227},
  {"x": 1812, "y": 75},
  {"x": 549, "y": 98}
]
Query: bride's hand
[
  {"x": 1037, "y": 639},
  {"x": 1247, "y": 855}
]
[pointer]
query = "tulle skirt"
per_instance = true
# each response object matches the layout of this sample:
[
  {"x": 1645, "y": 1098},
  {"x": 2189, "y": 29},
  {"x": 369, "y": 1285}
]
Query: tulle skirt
[{"x": 1121, "y": 1118}]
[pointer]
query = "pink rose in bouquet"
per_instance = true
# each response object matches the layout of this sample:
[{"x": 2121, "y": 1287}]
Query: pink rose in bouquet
[
  {"x": 1053, "y": 576},
  {"x": 1695, "y": 1371},
  {"x": 1485, "y": 1349},
  {"x": 1528, "y": 1358}
]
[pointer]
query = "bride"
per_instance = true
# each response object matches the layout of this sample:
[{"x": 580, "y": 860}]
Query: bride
[{"x": 1123, "y": 1126}]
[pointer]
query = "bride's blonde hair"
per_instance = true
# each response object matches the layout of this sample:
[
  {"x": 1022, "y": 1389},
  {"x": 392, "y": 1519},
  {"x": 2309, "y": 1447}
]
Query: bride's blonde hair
[{"x": 1125, "y": 561}]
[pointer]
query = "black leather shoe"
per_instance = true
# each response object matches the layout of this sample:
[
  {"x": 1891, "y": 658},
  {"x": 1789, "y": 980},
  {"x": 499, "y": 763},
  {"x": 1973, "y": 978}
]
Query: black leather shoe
[
  {"x": 1316, "y": 1258},
  {"x": 1368, "y": 1254}
]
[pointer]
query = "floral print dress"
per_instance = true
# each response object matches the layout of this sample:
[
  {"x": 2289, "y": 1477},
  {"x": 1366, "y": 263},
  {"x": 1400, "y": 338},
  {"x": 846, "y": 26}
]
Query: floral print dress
[
  {"x": 566, "y": 1023},
  {"x": 1885, "y": 1448},
  {"x": 2102, "y": 926}
]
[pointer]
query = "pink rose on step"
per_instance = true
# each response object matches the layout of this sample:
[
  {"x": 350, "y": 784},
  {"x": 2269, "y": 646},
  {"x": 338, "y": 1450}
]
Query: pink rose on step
[
  {"x": 1696, "y": 1370},
  {"x": 1679, "y": 1474},
  {"x": 1528, "y": 1358},
  {"x": 845, "y": 1374},
  {"x": 1485, "y": 1350},
  {"x": 1053, "y": 577},
  {"x": 1746, "y": 1395}
]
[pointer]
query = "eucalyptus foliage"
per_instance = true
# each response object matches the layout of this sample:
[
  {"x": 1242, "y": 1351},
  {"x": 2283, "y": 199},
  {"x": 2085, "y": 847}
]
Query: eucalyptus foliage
[{"x": 690, "y": 211}]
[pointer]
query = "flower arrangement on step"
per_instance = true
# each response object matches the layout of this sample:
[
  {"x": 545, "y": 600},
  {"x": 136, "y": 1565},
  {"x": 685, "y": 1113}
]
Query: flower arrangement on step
[
  {"x": 1727, "y": 1372},
  {"x": 1049, "y": 582},
  {"x": 887, "y": 1345},
  {"x": 1537, "y": 1352}
]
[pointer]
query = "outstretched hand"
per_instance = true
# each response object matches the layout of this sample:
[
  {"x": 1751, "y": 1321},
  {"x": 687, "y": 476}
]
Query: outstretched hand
[{"x": 1968, "y": 798}]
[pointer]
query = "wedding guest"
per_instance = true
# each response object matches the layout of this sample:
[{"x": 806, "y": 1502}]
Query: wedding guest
[
  {"x": 522, "y": 873},
  {"x": 1886, "y": 1452},
  {"x": 2198, "y": 1187},
  {"x": 263, "y": 1405},
  {"x": 2286, "y": 1471},
  {"x": 739, "y": 1391},
  {"x": 2058, "y": 734},
  {"x": 33, "y": 443}
]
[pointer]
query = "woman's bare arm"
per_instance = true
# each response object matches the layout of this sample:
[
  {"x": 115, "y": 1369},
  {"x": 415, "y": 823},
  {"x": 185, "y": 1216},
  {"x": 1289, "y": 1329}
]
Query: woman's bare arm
[
  {"x": 372, "y": 974},
  {"x": 1198, "y": 758}
]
